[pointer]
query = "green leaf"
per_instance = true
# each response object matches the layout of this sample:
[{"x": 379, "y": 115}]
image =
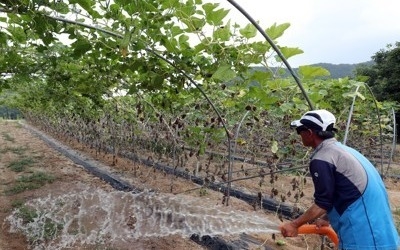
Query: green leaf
[
  {"x": 309, "y": 72},
  {"x": 194, "y": 23},
  {"x": 223, "y": 34},
  {"x": 256, "y": 92},
  {"x": 286, "y": 107},
  {"x": 124, "y": 43},
  {"x": 115, "y": 8},
  {"x": 170, "y": 4},
  {"x": 81, "y": 46},
  {"x": 274, "y": 147},
  {"x": 169, "y": 43},
  {"x": 224, "y": 73},
  {"x": 60, "y": 7},
  {"x": 261, "y": 47},
  {"x": 280, "y": 242},
  {"x": 289, "y": 52},
  {"x": 176, "y": 30},
  {"x": 214, "y": 17},
  {"x": 276, "y": 31},
  {"x": 3, "y": 38},
  {"x": 87, "y": 5},
  {"x": 249, "y": 31},
  {"x": 157, "y": 81},
  {"x": 278, "y": 84},
  {"x": 18, "y": 34},
  {"x": 41, "y": 48},
  {"x": 184, "y": 41},
  {"x": 199, "y": 47},
  {"x": 315, "y": 97},
  {"x": 262, "y": 76},
  {"x": 123, "y": 2},
  {"x": 185, "y": 12},
  {"x": 323, "y": 92}
]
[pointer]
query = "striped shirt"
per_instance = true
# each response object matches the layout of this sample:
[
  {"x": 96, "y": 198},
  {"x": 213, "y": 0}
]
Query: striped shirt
[{"x": 351, "y": 190}]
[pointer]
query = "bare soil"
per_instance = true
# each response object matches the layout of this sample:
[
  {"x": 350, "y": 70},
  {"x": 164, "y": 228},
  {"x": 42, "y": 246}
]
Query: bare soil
[{"x": 17, "y": 142}]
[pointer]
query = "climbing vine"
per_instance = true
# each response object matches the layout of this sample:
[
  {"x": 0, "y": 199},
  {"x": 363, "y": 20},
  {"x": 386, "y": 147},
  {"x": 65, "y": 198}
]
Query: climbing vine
[{"x": 174, "y": 82}]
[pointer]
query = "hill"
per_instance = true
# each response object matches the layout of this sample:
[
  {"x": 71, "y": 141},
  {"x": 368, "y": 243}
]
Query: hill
[
  {"x": 341, "y": 70},
  {"x": 337, "y": 70}
]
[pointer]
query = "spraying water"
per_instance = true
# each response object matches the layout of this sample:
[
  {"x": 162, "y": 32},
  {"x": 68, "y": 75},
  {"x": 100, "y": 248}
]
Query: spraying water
[{"x": 97, "y": 217}]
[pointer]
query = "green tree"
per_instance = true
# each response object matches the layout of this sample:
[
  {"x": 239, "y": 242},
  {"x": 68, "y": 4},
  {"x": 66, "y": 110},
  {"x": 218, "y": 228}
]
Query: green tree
[{"x": 384, "y": 75}]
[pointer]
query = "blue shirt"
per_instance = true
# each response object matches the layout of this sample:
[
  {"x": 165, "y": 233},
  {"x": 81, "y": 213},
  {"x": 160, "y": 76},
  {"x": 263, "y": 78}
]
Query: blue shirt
[{"x": 351, "y": 190}]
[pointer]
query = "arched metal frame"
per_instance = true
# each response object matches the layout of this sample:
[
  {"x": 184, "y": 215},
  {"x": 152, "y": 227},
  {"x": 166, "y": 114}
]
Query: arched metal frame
[
  {"x": 296, "y": 78},
  {"x": 277, "y": 50}
]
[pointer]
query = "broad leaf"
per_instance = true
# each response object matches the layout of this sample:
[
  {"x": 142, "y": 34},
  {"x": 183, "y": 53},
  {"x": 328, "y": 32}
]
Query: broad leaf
[
  {"x": 276, "y": 31},
  {"x": 222, "y": 33},
  {"x": 214, "y": 17},
  {"x": 87, "y": 5},
  {"x": 309, "y": 72},
  {"x": 249, "y": 31},
  {"x": 81, "y": 46},
  {"x": 224, "y": 73},
  {"x": 289, "y": 52}
]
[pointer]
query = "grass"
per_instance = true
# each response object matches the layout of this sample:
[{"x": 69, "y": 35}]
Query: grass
[
  {"x": 27, "y": 214},
  {"x": 50, "y": 228},
  {"x": 15, "y": 150},
  {"x": 17, "y": 203},
  {"x": 30, "y": 182},
  {"x": 396, "y": 215},
  {"x": 7, "y": 137},
  {"x": 21, "y": 164}
]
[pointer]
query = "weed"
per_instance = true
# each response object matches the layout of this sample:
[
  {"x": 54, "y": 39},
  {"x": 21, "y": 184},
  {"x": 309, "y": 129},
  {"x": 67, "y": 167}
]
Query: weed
[
  {"x": 8, "y": 137},
  {"x": 15, "y": 150},
  {"x": 33, "y": 181},
  {"x": 38, "y": 177},
  {"x": 21, "y": 187},
  {"x": 203, "y": 191},
  {"x": 51, "y": 229},
  {"x": 18, "y": 125},
  {"x": 27, "y": 214},
  {"x": 17, "y": 203},
  {"x": 396, "y": 214},
  {"x": 20, "y": 164}
]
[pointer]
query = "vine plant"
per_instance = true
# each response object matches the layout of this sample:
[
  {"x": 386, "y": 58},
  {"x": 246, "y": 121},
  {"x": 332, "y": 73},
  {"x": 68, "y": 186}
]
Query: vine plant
[{"x": 169, "y": 80}]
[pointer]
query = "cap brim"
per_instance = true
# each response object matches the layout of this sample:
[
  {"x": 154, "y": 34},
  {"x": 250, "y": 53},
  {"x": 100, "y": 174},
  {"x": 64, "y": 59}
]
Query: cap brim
[{"x": 295, "y": 124}]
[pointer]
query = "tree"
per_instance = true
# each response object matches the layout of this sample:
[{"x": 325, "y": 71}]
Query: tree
[{"x": 384, "y": 75}]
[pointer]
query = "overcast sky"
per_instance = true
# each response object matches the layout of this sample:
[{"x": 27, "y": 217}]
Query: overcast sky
[{"x": 336, "y": 31}]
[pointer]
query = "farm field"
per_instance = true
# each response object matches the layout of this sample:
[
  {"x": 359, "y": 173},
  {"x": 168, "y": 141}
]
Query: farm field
[{"x": 31, "y": 170}]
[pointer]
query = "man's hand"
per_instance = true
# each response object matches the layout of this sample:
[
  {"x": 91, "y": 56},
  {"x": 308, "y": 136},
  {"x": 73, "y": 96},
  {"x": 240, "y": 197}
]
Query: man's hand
[
  {"x": 289, "y": 229},
  {"x": 321, "y": 223}
]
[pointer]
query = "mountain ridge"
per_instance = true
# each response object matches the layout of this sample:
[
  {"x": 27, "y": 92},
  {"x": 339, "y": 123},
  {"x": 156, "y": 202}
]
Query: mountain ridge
[{"x": 336, "y": 70}]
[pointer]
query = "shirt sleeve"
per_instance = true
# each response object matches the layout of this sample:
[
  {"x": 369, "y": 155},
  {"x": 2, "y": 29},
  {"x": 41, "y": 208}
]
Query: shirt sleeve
[{"x": 323, "y": 177}]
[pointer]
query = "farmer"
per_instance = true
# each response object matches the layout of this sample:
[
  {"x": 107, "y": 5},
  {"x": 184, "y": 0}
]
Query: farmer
[{"x": 349, "y": 193}]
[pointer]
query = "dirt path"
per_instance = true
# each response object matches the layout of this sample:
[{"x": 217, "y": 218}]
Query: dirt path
[{"x": 24, "y": 155}]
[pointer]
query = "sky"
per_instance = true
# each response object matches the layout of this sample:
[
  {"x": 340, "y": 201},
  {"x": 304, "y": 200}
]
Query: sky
[{"x": 335, "y": 31}]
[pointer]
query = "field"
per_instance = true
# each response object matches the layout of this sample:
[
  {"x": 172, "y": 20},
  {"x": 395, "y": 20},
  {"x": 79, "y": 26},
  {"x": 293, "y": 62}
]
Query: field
[{"x": 32, "y": 170}]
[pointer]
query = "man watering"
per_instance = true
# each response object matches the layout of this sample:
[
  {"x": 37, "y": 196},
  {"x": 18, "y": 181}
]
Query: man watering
[{"x": 349, "y": 192}]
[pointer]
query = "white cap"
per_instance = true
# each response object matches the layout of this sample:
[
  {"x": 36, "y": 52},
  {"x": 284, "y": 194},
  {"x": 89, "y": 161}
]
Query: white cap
[{"x": 319, "y": 120}]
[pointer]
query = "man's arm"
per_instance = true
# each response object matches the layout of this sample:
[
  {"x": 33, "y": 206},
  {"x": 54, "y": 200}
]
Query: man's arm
[{"x": 290, "y": 229}]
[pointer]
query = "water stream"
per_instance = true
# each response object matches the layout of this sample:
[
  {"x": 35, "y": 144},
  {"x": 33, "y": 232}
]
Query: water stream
[{"x": 96, "y": 217}]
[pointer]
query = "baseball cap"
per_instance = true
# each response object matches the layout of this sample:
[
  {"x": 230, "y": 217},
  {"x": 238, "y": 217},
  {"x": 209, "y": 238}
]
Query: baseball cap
[{"x": 319, "y": 120}]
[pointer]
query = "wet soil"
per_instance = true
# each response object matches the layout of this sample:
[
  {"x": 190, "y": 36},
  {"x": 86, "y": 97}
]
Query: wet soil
[{"x": 18, "y": 142}]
